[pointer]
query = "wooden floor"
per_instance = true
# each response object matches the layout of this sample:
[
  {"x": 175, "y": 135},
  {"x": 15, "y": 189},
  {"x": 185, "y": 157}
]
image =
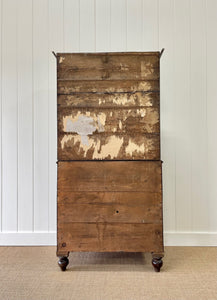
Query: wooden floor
[{"x": 32, "y": 273}]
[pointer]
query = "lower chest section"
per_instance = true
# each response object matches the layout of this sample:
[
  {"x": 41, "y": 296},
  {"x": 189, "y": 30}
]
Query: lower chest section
[{"x": 109, "y": 206}]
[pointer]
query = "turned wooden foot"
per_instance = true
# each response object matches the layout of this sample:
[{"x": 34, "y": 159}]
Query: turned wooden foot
[
  {"x": 157, "y": 263},
  {"x": 63, "y": 263}
]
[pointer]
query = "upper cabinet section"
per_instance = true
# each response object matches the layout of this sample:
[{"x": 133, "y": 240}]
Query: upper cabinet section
[{"x": 108, "y": 106}]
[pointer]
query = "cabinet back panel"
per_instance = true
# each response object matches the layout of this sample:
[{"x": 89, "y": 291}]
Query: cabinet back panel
[
  {"x": 105, "y": 237},
  {"x": 109, "y": 207},
  {"x": 128, "y": 176}
]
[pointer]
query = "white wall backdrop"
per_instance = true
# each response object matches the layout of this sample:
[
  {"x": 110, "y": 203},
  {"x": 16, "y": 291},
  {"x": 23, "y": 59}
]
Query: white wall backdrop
[{"x": 31, "y": 29}]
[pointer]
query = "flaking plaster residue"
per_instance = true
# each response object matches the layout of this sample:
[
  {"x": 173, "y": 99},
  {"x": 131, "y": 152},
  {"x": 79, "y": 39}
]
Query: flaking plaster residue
[{"x": 83, "y": 124}]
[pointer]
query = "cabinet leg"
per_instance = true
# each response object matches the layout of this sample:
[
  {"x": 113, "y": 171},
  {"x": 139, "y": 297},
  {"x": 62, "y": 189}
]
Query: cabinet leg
[
  {"x": 157, "y": 262},
  {"x": 63, "y": 263}
]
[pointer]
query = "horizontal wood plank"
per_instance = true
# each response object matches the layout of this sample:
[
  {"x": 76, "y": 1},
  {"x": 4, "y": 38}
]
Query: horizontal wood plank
[
  {"x": 131, "y": 176},
  {"x": 67, "y": 87},
  {"x": 130, "y": 121},
  {"x": 109, "y": 207},
  {"x": 82, "y": 66},
  {"x": 105, "y": 146},
  {"x": 106, "y": 100},
  {"x": 105, "y": 237}
]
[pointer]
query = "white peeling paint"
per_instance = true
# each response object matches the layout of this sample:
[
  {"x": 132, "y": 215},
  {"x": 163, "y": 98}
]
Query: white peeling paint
[
  {"x": 84, "y": 119},
  {"x": 84, "y": 124}
]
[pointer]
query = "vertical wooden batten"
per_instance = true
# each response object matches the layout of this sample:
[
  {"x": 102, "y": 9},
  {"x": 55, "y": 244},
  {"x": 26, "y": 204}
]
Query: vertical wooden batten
[
  {"x": 25, "y": 115},
  {"x": 56, "y": 20},
  {"x": 9, "y": 117},
  {"x": 41, "y": 114}
]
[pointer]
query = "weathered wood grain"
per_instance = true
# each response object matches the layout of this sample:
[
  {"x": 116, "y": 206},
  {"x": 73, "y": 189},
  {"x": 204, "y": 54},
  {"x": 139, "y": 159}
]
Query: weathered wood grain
[
  {"x": 108, "y": 117},
  {"x": 82, "y": 66},
  {"x": 109, "y": 207},
  {"x": 106, "y": 237},
  {"x": 103, "y": 146},
  {"x": 130, "y": 121},
  {"x": 105, "y": 100},
  {"x": 67, "y": 87},
  {"x": 129, "y": 176}
]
